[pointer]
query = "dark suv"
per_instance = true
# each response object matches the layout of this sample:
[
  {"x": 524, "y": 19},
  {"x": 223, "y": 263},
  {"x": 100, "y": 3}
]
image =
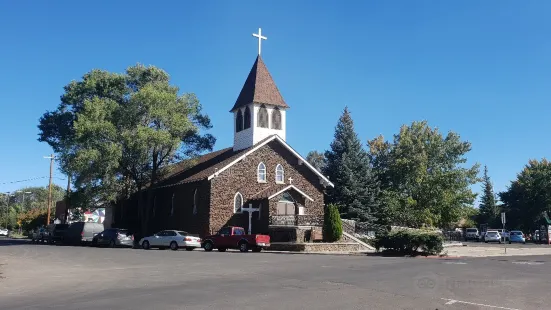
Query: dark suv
[
  {"x": 114, "y": 237},
  {"x": 56, "y": 232}
]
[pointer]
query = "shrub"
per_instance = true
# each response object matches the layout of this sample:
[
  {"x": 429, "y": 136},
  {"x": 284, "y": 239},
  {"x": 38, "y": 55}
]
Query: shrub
[
  {"x": 332, "y": 224},
  {"x": 408, "y": 242}
]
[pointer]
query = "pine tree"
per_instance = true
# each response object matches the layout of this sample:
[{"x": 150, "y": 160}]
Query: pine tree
[
  {"x": 349, "y": 169},
  {"x": 489, "y": 210},
  {"x": 332, "y": 224}
]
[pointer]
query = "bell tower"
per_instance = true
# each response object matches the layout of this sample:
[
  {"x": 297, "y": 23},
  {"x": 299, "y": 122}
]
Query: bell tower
[{"x": 259, "y": 110}]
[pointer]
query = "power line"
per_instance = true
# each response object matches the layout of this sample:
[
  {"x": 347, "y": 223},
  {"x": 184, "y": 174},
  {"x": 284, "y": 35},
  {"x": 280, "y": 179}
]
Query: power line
[{"x": 31, "y": 179}]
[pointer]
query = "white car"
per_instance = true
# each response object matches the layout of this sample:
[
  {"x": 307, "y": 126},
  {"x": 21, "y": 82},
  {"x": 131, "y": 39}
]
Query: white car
[
  {"x": 173, "y": 239},
  {"x": 3, "y": 232},
  {"x": 492, "y": 236}
]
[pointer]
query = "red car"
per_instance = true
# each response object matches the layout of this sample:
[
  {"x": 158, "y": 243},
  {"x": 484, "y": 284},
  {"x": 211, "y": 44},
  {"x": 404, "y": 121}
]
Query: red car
[{"x": 235, "y": 238}]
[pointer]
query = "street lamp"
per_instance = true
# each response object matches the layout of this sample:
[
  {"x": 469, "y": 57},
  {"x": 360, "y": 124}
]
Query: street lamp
[
  {"x": 8, "y": 195},
  {"x": 23, "y": 200}
]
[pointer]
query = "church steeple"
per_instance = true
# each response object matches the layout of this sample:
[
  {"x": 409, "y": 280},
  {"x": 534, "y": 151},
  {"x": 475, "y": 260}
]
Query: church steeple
[
  {"x": 259, "y": 88},
  {"x": 259, "y": 110}
]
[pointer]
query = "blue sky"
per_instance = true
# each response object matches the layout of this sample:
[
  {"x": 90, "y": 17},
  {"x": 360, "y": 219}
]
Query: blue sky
[{"x": 480, "y": 68}]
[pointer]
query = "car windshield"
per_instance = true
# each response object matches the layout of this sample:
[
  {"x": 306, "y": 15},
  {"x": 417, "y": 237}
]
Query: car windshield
[
  {"x": 471, "y": 229},
  {"x": 491, "y": 233},
  {"x": 124, "y": 232},
  {"x": 516, "y": 233}
]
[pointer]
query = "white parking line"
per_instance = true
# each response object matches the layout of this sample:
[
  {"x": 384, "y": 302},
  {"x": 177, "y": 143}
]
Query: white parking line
[
  {"x": 453, "y": 301},
  {"x": 528, "y": 263}
]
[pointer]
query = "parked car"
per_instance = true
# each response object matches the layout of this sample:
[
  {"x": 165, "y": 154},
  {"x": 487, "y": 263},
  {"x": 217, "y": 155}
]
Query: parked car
[
  {"x": 173, "y": 239},
  {"x": 113, "y": 237},
  {"x": 40, "y": 234},
  {"x": 3, "y": 232},
  {"x": 56, "y": 232},
  {"x": 81, "y": 233},
  {"x": 235, "y": 238},
  {"x": 492, "y": 236},
  {"x": 516, "y": 236},
  {"x": 471, "y": 234},
  {"x": 481, "y": 237}
]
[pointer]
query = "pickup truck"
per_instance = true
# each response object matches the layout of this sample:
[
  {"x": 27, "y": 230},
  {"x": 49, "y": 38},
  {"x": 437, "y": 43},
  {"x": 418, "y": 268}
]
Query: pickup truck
[{"x": 232, "y": 237}]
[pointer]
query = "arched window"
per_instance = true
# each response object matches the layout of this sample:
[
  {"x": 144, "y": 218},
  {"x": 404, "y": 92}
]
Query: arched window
[
  {"x": 276, "y": 119},
  {"x": 247, "y": 118},
  {"x": 239, "y": 121},
  {"x": 263, "y": 117},
  {"x": 237, "y": 202},
  {"x": 172, "y": 205},
  {"x": 195, "y": 197},
  {"x": 279, "y": 174},
  {"x": 261, "y": 173}
]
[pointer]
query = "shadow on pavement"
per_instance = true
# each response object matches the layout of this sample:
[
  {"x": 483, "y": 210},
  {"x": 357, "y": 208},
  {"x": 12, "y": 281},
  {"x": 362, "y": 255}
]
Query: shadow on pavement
[{"x": 4, "y": 241}]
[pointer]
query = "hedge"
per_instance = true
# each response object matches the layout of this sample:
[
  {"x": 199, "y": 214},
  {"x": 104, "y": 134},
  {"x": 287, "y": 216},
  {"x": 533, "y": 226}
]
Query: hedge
[{"x": 409, "y": 242}]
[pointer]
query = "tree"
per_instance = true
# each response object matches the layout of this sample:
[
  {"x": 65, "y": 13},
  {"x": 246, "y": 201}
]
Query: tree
[
  {"x": 332, "y": 224},
  {"x": 423, "y": 176},
  {"x": 36, "y": 200},
  {"x": 317, "y": 160},
  {"x": 528, "y": 196},
  {"x": 356, "y": 188},
  {"x": 489, "y": 210},
  {"x": 116, "y": 133}
]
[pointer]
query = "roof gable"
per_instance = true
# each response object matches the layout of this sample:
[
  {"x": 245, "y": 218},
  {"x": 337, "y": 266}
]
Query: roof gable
[
  {"x": 259, "y": 88},
  {"x": 251, "y": 150}
]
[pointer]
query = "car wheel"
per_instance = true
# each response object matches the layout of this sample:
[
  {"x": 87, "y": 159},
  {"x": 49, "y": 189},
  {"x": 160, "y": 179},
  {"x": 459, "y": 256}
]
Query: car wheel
[
  {"x": 94, "y": 242},
  {"x": 244, "y": 247},
  {"x": 486, "y": 241},
  {"x": 145, "y": 245},
  {"x": 190, "y": 249},
  {"x": 499, "y": 242},
  {"x": 174, "y": 246},
  {"x": 208, "y": 246},
  {"x": 257, "y": 249},
  {"x": 221, "y": 249},
  {"x": 509, "y": 242},
  {"x": 112, "y": 244}
]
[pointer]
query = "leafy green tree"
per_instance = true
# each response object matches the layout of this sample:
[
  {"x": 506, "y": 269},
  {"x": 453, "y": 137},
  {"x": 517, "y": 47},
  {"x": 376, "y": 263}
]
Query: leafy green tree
[
  {"x": 317, "y": 160},
  {"x": 423, "y": 176},
  {"x": 332, "y": 224},
  {"x": 115, "y": 133},
  {"x": 34, "y": 198},
  {"x": 356, "y": 188},
  {"x": 489, "y": 210},
  {"x": 528, "y": 196}
]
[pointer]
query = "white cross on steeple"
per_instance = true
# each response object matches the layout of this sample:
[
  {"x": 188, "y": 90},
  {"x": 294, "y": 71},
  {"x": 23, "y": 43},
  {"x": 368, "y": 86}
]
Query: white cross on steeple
[{"x": 260, "y": 38}]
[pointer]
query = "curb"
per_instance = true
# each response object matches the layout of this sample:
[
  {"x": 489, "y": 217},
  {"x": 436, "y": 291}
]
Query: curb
[{"x": 318, "y": 253}]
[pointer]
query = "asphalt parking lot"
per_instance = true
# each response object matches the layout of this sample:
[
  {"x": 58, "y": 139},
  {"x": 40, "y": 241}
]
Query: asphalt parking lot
[{"x": 62, "y": 277}]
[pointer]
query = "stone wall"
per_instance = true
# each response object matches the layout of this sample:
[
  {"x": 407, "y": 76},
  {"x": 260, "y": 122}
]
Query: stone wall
[
  {"x": 315, "y": 247},
  {"x": 242, "y": 178}
]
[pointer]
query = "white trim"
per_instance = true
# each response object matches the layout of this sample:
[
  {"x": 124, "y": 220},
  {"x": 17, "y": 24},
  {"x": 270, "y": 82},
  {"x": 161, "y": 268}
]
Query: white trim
[
  {"x": 293, "y": 187},
  {"x": 258, "y": 173},
  {"x": 282, "y": 174},
  {"x": 241, "y": 207},
  {"x": 322, "y": 177}
]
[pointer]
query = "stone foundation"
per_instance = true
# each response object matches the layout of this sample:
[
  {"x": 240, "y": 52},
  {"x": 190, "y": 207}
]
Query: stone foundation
[
  {"x": 315, "y": 247},
  {"x": 290, "y": 234}
]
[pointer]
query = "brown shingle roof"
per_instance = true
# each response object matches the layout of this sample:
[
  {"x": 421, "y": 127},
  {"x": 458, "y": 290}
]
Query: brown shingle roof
[
  {"x": 202, "y": 167},
  {"x": 259, "y": 88}
]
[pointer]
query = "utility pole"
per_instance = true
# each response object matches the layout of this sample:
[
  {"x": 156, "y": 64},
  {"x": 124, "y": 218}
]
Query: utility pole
[
  {"x": 7, "y": 209},
  {"x": 51, "y": 158}
]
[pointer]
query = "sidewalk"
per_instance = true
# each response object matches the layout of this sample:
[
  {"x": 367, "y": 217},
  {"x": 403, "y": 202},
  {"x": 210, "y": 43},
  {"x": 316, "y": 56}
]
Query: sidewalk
[{"x": 467, "y": 251}]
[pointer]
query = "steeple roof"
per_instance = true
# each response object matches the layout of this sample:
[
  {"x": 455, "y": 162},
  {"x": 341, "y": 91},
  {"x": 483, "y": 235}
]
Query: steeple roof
[{"x": 259, "y": 88}]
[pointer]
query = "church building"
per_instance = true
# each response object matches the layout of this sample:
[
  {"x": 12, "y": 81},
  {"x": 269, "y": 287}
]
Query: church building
[{"x": 260, "y": 183}]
